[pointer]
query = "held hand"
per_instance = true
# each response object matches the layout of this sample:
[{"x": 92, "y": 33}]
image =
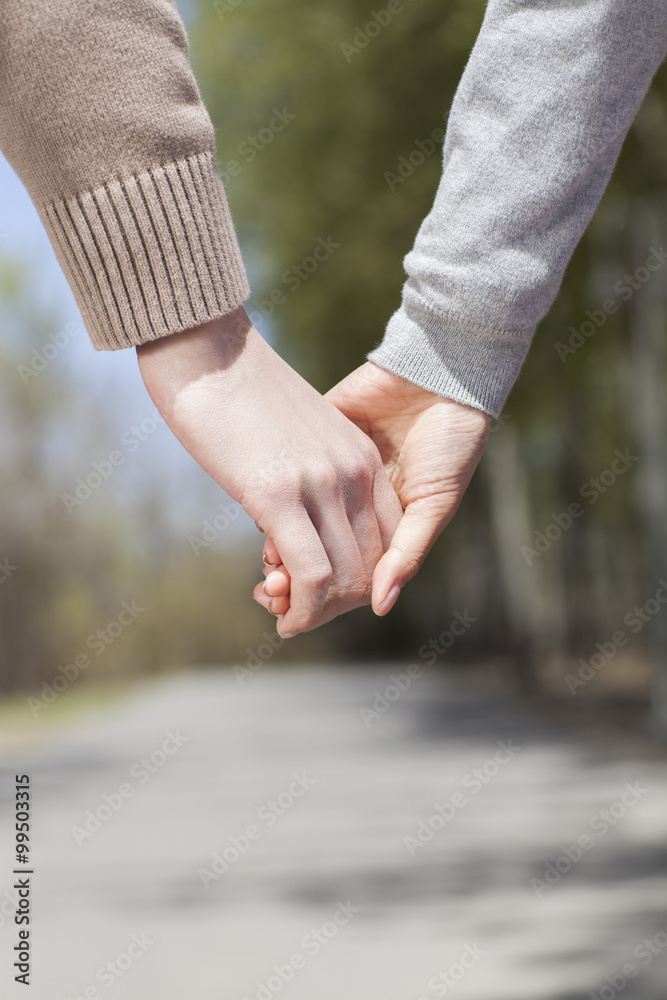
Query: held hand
[
  {"x": 430, "y": 447},
  {"x": 300, "y": 469}
]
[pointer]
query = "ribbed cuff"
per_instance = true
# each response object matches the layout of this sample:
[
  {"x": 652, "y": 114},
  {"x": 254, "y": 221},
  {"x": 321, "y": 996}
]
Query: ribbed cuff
[
  {"x": 150, "y": 254},
  {"x": 470, "y": 365}
]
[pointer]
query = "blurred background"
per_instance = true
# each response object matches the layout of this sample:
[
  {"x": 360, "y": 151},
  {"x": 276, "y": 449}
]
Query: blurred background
[
  {"x": 312, "y": 125},
  {"x": 311, "y": 121}
]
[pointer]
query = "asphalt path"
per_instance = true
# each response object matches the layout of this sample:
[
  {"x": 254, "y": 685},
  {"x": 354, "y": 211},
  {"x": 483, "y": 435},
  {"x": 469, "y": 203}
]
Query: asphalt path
[{"x": 296, "y": 835}]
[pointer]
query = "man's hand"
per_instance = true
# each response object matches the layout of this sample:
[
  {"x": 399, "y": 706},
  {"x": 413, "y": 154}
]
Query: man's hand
[
  {"x": 430, "y": 447},
  {"x": 300, "y": 469}
]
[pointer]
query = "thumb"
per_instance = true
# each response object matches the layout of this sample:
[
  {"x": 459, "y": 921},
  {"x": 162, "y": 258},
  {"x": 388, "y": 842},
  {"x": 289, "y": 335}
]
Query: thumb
[
  {"x": 422, "y": 522},
  {"x": 346, "y": 396}
]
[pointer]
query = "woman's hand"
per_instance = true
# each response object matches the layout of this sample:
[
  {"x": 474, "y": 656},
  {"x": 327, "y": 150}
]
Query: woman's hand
[
  {"x": 304, "y": 473},
  {"x": 430, "y": 447}
]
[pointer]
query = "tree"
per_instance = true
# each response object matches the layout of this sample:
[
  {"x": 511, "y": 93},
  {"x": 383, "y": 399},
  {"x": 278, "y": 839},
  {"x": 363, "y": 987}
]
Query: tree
[{"x": 317, "y": 109}]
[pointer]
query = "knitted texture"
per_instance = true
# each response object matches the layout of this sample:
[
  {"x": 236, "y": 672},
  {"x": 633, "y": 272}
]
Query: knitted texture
[
  {"x": 534, "y": 131},
  {"x": 150, "y": 254},
  {"x": 101, "y": 118}
]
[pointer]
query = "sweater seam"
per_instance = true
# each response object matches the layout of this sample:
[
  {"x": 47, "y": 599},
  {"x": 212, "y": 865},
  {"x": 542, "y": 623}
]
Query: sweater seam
[
  {"x": 119, "y": 178},
  {"x": 452, "y": 319}
]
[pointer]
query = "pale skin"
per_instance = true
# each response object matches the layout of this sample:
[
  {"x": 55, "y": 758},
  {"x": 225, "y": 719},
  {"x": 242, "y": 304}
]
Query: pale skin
[
  {"x": 351, "y": 488},
  {"x": 304, "y": 473},
  {"x": 430, "y": 447}
]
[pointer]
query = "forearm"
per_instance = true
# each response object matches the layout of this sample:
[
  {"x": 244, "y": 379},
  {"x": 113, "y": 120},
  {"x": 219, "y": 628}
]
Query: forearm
[
  {"x": 101, "y": 118},
  {"x": 534, "y": 131},
  {"x": 171, "y": 364}
]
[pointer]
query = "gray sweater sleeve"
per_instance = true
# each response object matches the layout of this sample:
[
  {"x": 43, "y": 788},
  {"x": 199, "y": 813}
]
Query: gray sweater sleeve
[{"x": 534, "y": 131}]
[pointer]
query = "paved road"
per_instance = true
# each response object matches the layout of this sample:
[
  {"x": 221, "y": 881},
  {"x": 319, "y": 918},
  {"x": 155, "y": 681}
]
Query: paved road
[{"x": 323, "y": 897}]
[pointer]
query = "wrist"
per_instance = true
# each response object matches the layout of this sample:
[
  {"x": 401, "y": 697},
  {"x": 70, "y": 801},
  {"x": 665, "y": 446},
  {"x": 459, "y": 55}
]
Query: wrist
[
  {"x": 412, "y": 391},
  {"x": 171, "y": 364}
]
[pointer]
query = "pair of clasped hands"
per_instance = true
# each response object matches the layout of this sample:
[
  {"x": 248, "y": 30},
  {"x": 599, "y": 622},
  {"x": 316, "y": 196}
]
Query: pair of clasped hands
[{"x": 352, "y": 488}]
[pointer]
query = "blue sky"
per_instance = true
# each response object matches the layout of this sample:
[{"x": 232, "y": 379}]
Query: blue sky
[
  {"x": 25, "y": 238},
  {"x": 106, "y": 380}
]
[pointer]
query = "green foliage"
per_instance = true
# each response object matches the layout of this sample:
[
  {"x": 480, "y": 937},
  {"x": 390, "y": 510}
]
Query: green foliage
[
  {"x": 64, "y": 576},
  {"x": 324, "y": 174},
  {"x": 291, "y": 182},
  {"x": 359, "y": 106}
]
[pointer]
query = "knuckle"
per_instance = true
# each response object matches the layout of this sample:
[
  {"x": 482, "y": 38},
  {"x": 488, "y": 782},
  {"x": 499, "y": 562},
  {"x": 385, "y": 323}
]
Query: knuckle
[
  {"x": 318, "y": 578},
  {"x": 326, "y": 480},
  {"x": 371, "y": 455},
  {"x": 304, "y": 620},
  {"x": 359, "y": 590},
  {"x": 355, "y": 587},
  {"x": 302, "y": 624},
  {"x": 359, "y": 474},
  {"x": 412, "y": 565}
]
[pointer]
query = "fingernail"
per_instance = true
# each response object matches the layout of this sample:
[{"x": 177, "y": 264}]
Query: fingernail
[
  {"x": 264, "y": 559},
  {"x": 389, "y": 601},
  {"x": 289, "y": 635}
]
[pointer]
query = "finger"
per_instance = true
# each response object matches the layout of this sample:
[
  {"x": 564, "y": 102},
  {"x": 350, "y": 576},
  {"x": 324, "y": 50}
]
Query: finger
[
  {"x": 277, "y": 583},
  {"x": 274, "y": 605},
  {"x": 307, "y": 563},
  {"x": 349, "y": 584},
  {"x": 363, "y": 521},
  {"x": 269, "y": 569},
  {"x": 418, "y": 529},
  {"x": 259, "y": 595},
  {"x": 388, "y": 509},
  {"x": 279, "y": 606},
  {"x": 351, "y": 580},
  {"x": 271, "y": 555}
]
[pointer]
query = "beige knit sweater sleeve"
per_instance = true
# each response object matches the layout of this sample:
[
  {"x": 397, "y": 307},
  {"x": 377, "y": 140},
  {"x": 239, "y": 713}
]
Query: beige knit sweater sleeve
[{"x": 102, "y": 120}]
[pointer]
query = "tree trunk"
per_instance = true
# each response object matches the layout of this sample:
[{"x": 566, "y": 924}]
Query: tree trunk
[
  {"x": 524, "y": 592},
  {"x": 648, "y": 326}
]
